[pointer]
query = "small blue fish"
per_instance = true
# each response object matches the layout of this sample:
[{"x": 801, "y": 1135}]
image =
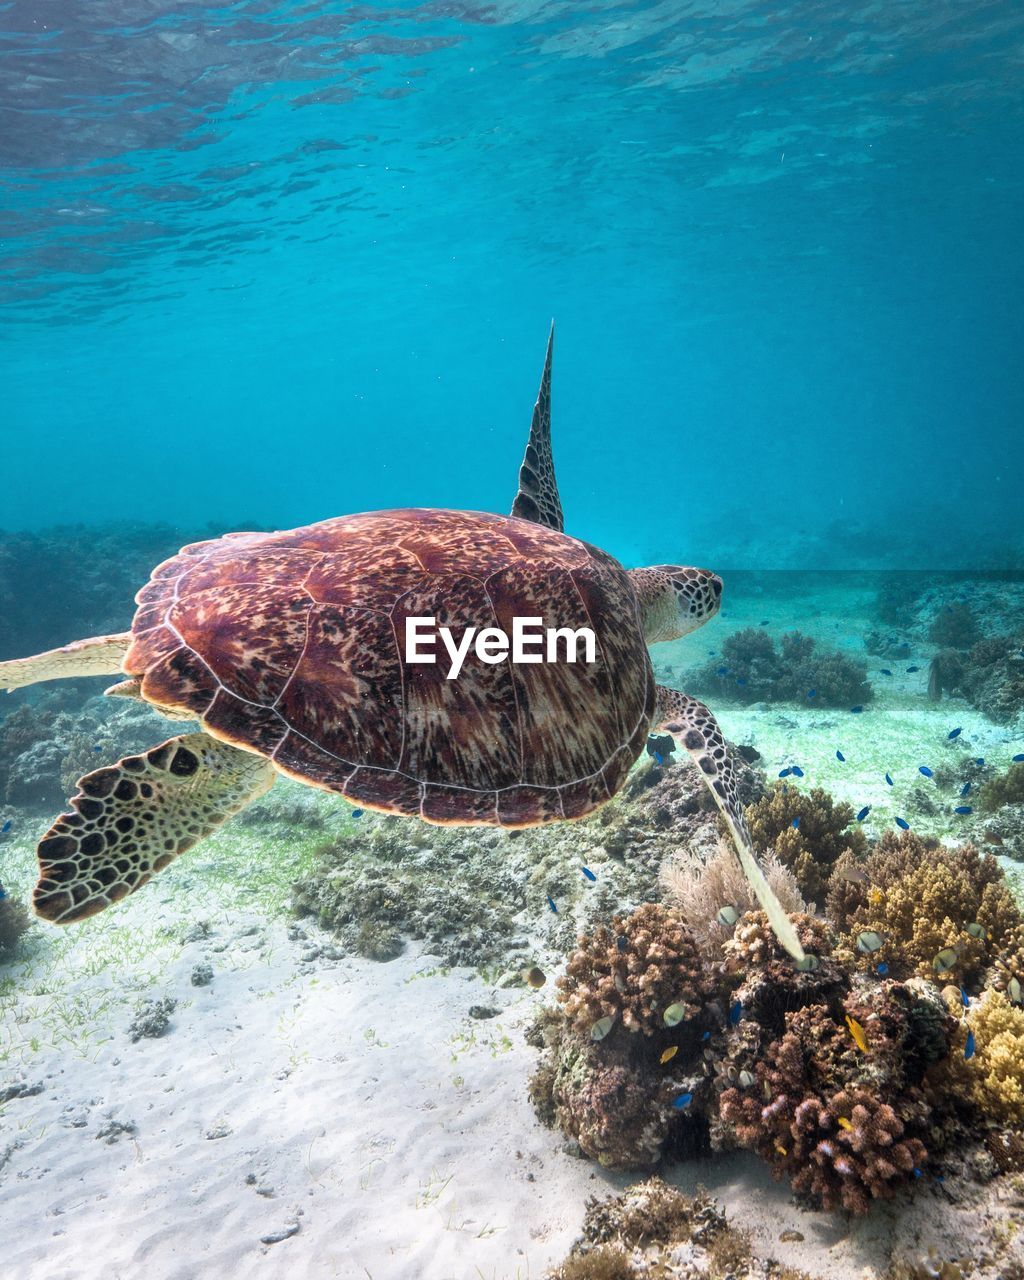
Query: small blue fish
[
  {"x": 588, "y": 873},
  {"x": 911, "y": 670},
  {"x": 796, "y": 821},
  {"x": 812, "y": 693},
  {"x": 965, "y": 998},
  {"x": 980, "y": 761},
  {"x": 954, "y": 733},
  {"x": 885, "y": 671},
  {"x": 888, "y": 778},
  {"x": 963, "y": 809},
  {"x": 722, "y": 671},
  {"x": 741, "y": 680},
  {"x": 797, "y": 771},
  {"x": 902, "y": 823},
  {"x": 923, "y": 768},
  {"x": 882, "y": 969},
  {"x": 785, "y": 773},
  {"x": 965, "y": 789},
  {"x": 969, "y": 1046},
  {"x": 659, "y": 757},
  {"x": 917, "y": 1172},
  {"x": 840, "y": 757},
  {"x": 863, "y": 813},
  {"x": 683, "y": 1101},
  {"x": 855, "y": 711},
  {"x": 357, "y": 813},
  {"x": 706, "y": 1035},
  {"x": 622, "y": 942},
  {"x": 97, "y": 748},
  {"x": 764, "y": 624},
  {"x": 551, "y": 904},
  {"x": 735, "y": 1011},
  {"x": 3, "y": 893},
  {"x": 1018, "y": 758},
  {"x": 7, "y": 826}
]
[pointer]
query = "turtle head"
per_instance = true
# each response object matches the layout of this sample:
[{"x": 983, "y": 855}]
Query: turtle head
[{"x": 675, "y": 600}]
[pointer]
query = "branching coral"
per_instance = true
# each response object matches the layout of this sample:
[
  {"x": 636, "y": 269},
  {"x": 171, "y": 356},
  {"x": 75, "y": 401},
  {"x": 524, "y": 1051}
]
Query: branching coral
[
  {"x": 992, "y": 1078},
  {"x": 630, "y": 992},
  {"x": 752, "y": 670},
  {"x": 633, "y": 972},
  {"x": 924, "y": 899},
  {"x": 811, "y": 848},
  {"x": 841, "y": 1124},
  {"x": 697, "y": 888}
]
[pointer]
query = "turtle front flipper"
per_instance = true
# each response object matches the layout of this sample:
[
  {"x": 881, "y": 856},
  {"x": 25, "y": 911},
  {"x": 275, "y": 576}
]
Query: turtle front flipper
[
  {"x": 537, "y": 499},
  {"x": 693, "y": 726},
  {"x": 97, "y": 656},
  {"x": 131, "y": 819}
]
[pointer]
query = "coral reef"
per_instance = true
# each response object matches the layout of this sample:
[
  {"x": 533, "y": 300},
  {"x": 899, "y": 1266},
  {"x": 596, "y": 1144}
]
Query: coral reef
[
  {"x": 844, "y": 1121},
  {"x": 955, "y": 626},
  {"x": 45, "y": 749},
  {"x": 1005, "y": 789},
  {"x": 923, "y": 899},
  {"x": 992, "y": 1078},
  {"x": 14, "y": 921},
  {"x": 633, "y": 972},
  {"x": 752, "y": 670},
  {"x": 824, "y": 1073},
  {"x": 630, "y": 992},
  {"x": 811, "y": 848},
  {"x": 652, "y": 1231},
  {"x": 990, "y": 675}
]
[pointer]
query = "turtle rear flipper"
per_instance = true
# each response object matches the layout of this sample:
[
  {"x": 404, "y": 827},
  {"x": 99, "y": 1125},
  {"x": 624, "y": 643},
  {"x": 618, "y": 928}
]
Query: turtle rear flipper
[
  {"x": 693, "y": 726},
  {"x": 131, "y": 819},
  {"x": 97, "y": 656},
  {"x": 537, "y": 499}
]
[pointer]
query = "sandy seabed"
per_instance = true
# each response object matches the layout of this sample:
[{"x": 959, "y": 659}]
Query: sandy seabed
[{"x": 353, "y": 1108}]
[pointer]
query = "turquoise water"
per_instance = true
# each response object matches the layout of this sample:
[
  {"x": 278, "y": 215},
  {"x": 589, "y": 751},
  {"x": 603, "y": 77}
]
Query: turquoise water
[{"x": 274, "y": 262}]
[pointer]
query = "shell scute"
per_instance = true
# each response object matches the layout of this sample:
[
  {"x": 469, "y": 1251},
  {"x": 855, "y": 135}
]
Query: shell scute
[
  {"x": 346, "y": 690},
  {"x": 453, "y": 727}
]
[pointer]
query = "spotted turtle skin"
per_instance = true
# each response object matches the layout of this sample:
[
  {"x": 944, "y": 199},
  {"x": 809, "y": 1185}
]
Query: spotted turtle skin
[{"x": 291, "y": 645}]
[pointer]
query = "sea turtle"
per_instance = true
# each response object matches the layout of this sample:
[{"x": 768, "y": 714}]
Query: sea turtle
[{"x": 287, "y": 649}]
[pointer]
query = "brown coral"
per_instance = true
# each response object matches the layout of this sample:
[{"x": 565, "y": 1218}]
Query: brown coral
[
  {"x": 633, "y": 972},
  {"x": 841, "y": 1124},
  {"x": 811, "y": 848}
]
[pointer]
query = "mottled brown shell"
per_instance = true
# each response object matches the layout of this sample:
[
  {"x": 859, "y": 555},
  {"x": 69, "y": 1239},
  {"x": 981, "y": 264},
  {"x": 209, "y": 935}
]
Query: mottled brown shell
[{"x": 291, "y": 645}]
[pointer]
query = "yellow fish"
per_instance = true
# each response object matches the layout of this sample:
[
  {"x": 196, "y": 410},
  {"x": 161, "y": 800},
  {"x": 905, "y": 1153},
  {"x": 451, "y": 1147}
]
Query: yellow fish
[
  {"x": 669, "y": 1054},
  {"x": 844, "y": 1123},
  {"x": 857, "y": 1031},
  {"x": 781, "y": 1149}
]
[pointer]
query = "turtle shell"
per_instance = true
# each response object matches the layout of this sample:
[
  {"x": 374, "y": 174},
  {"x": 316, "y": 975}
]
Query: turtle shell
[{"x": 292, "y": 645}]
